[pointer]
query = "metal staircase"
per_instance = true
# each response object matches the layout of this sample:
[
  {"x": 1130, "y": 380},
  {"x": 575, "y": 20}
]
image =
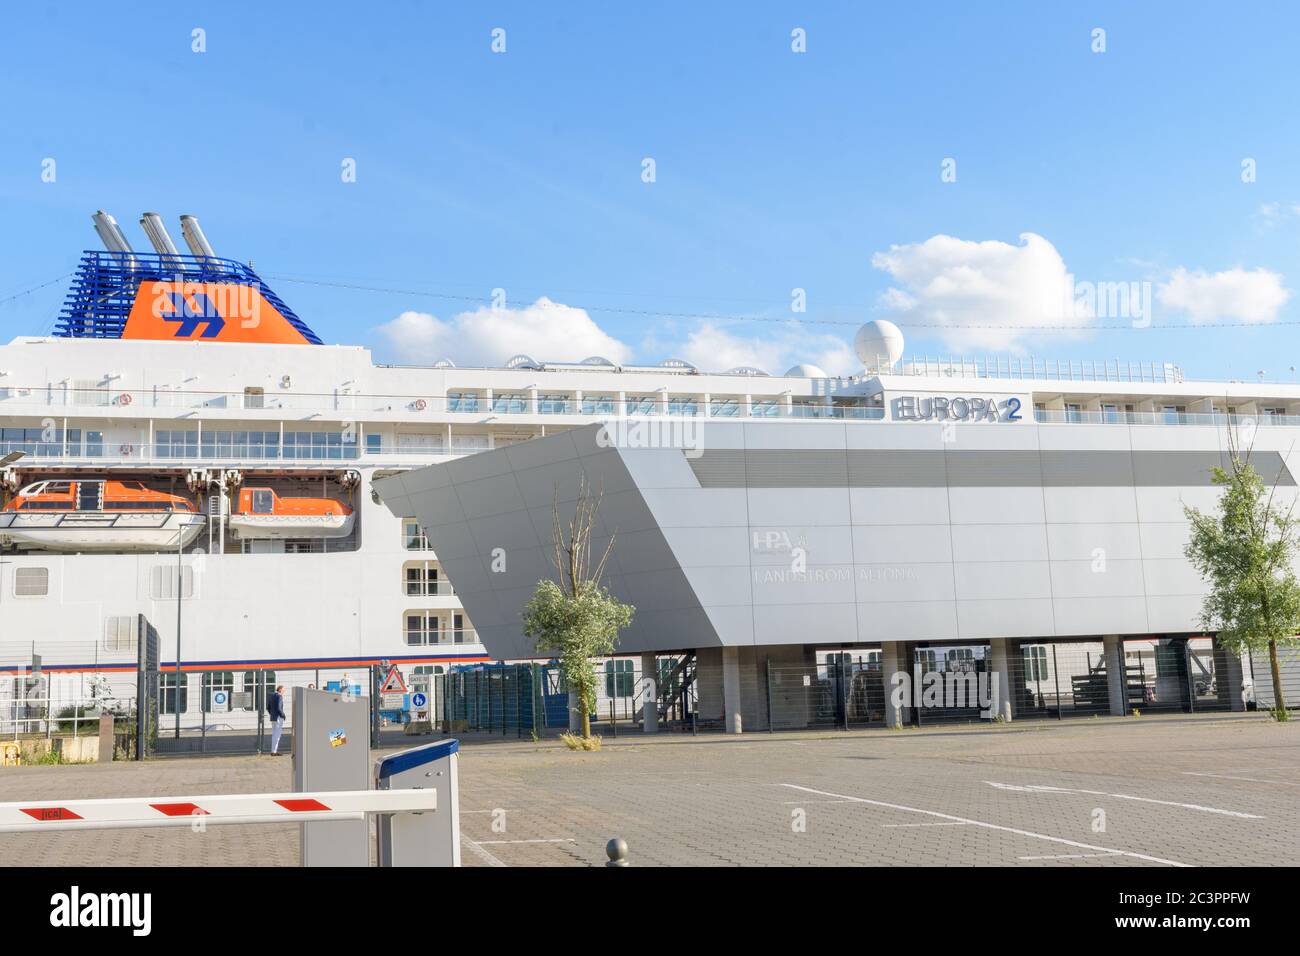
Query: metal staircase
[{"x": 677, "y": 690}]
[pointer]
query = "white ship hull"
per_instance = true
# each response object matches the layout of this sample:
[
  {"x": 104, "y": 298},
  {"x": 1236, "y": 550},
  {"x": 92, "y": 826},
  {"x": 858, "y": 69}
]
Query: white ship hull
[
  {"x": 259, "y": 527},
  {"x": 90, "y": 531}
]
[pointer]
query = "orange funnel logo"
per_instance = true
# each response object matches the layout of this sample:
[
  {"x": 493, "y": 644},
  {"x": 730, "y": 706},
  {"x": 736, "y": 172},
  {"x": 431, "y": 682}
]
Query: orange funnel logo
[{"x": 207, "y": 311}]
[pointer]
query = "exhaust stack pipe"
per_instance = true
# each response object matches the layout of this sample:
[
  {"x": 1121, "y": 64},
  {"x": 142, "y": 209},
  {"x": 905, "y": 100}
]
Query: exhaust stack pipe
[
  {"x": 110, "y": 233},
  {"x": 152, "y": 223},
  {"x": 195, "y": 239}
]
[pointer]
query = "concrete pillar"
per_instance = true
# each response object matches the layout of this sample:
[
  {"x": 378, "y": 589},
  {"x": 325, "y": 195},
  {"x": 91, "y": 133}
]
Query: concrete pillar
[
  {"x": 1000, "y": 670},
  {"x": 1232, "y": 679},
  {"x": 731, "y": 690},
  {"x": 1113, "y": 648},
  {"x": 891, "y": 663},
  {"x": 649, "y": 693}
]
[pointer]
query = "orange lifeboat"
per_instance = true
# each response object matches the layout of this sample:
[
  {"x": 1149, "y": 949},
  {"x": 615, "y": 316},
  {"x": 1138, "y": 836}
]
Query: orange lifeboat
[
  {"x": 261, "y": 513},
  {"x": 97, "y": 515}
]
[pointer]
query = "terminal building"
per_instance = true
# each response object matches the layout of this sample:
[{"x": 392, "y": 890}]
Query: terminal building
[{"x": 1014, "y": 520}]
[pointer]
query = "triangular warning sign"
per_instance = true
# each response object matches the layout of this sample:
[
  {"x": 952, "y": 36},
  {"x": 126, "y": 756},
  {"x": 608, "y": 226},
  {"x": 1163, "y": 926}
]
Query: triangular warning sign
[{"x": 393, "y": 683}]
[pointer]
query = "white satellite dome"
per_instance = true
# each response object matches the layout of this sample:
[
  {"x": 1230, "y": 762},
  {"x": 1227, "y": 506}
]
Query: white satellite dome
[
  {"x": 805, "y": 371},
  {"x": 878, "y": 343}
]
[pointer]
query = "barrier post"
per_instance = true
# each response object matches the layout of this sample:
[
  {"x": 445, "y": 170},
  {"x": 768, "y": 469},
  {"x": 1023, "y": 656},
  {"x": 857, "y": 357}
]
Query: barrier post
[{"x": 421, "y": 839}]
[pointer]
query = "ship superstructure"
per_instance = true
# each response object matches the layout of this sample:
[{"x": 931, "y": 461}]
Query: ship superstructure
[{"x": 184, "y": 379}]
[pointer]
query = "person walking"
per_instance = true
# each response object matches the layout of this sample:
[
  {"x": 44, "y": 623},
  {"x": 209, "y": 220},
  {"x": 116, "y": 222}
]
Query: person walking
[{"x": 275, "y": 710}]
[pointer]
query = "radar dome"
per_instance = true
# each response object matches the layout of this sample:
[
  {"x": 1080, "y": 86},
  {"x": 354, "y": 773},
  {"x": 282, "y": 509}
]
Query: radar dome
[
  {"x": 805, "y": 371},
  {"x": 878, "y": 344}
]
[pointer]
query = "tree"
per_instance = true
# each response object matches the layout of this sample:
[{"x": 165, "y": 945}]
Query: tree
[
  {"x": 576, "y": 618},
  {"x": 1245, "y": 552}
]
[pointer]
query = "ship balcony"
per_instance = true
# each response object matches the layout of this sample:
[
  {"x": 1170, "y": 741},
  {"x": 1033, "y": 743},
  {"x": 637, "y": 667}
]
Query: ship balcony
[{"x": 423, "y": 637}]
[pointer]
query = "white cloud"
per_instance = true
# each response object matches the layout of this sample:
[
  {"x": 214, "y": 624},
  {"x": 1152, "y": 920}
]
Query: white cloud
[
  {"x": 545, "y": 330},
  {"x": 980, "y": 294},
  {"x": 1254, "y": 297},
  {"x": 714, "y": 349}
]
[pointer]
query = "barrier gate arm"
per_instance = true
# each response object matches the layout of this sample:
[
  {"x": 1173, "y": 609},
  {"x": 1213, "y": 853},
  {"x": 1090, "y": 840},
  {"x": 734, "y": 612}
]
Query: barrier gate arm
[{"x": 139, "y": 812}]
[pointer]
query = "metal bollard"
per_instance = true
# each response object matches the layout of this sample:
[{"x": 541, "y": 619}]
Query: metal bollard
[{"x": 616, "y": 850}]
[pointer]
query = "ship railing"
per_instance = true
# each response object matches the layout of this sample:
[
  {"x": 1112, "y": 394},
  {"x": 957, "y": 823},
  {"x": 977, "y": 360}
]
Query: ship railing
[
  {"x": 1054, "y": 416},
  {"x": 429, "y": 589},
  {"x": 265, "y": 403},
  {"x": 1029, "y": 367},
  {"x": 422, "y": 637}
]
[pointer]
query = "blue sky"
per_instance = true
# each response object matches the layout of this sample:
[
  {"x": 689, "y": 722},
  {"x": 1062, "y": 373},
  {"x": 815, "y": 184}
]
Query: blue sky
[{"x": 774, "y": 170}]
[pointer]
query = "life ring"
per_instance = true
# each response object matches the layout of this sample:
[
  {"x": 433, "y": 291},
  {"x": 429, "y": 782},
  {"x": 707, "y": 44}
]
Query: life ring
[
  {"x": 419, "y": 404},
  {"x": 124, "y": 398},
  {"x": 125, "y": 450}
]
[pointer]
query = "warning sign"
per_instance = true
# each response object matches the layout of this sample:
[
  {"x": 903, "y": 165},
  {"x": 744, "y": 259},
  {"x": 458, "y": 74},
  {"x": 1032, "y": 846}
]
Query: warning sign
[{"x": 393, "y": 683}]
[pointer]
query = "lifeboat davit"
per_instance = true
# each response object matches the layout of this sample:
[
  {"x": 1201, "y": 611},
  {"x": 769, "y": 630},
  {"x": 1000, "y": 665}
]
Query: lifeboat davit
[
  {"x": 261, "y": 513},
  {"x": 96, "y": 515}
]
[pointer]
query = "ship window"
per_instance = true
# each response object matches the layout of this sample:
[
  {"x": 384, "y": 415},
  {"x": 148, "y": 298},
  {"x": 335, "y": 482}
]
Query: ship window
[
  {"x": 764, "y": 408},
  {"x": 254, "y": 398},
  {"x": 462, "y": 401},
  {"x": 94, "y": 444},
  {"x": 422, "y": 627},
  {"x": 31, "y": 582},
  {"x": 217, "y": 681},
  {"x": 256, "y": 684},
  {"x": 508, "y": 403},
  {"x": 641, "y": 404},
  {"x": 683, "y": 405},
  {"x": 618, "y": 678},
  {"x": 263, "y": 501},
  {"x": 598, "y": 404},
  {"x": 119, "y": 634},
  {"x": 167, "y": 682},
  {"x": 413, "y": 536},
  {"x": 162, "y": 583},
  {"x": 374, "y": 443},
  {"x": 422, "y": 579},
  {"x": 1035, "y": 663}
]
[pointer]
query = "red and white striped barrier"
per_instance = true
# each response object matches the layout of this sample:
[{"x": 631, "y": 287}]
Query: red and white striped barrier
[{"x": 126, "y": 812}]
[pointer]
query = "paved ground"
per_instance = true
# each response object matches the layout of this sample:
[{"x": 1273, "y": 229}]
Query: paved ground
[{"x": 1105, "y": 792}]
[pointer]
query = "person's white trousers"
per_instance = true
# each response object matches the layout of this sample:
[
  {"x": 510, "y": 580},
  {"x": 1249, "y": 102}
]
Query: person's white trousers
[{"x": 277, "y": 728}]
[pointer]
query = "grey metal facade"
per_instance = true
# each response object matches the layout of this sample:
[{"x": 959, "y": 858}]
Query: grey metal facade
[{"x": 780, "y": 533}]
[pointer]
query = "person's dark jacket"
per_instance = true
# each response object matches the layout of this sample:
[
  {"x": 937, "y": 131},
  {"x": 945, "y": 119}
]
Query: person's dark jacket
[{"x": 275, "y": 706}]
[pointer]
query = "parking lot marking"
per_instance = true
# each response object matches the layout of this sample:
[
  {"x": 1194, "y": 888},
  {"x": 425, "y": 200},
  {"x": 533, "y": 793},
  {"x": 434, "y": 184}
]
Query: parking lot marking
[
  {"x": 479, "y": 852},
  {"x": 1038, "y": 788},
  {"x": 1067, "y": 856},
  {"x": 891, "y": 826},
  {"x": 494, "y": 842},
  {"x": 800, "y": 803},
  {"x": 990, "y": 826},
  {"x": 1229, "y": 776}
]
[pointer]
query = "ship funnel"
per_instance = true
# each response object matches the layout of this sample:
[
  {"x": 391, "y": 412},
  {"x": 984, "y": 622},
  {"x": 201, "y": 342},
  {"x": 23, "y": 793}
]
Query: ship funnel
[
  {"x": 152, "y": 223},
  {"x": 195, "y": 239},
  {"x": 110, "y": 233}
]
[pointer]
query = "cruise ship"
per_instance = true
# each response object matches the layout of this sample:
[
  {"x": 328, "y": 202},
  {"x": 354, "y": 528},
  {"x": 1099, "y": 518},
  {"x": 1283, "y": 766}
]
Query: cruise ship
[{"x": 185, "y": 457}]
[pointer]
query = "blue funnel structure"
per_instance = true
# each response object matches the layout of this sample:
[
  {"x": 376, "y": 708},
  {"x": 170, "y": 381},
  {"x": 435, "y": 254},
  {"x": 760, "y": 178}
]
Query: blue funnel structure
[{"x": 175, "y": 297}]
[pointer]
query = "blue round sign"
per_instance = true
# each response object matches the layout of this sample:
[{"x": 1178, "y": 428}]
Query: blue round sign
[
  {"x": 219, "y": 697},
  {"x": 418, "y": 700}
]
